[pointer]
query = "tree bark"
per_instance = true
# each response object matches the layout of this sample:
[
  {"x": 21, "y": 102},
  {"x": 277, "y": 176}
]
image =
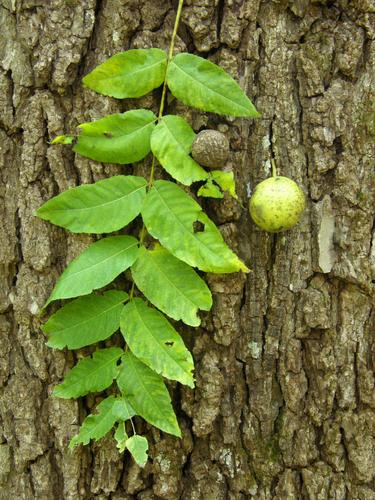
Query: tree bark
[{"x": 284, "y": 405}]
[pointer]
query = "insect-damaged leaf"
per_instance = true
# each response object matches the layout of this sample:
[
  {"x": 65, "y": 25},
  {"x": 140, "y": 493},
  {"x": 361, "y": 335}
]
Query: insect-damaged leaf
[
  {"x": 170, "y": 214},
  {"x": 218, "y": 178},
  {"x": 154, "y": 341},
  {"x": 210, "y": 190},
  {"x": 226, "y": 181},
  {"x": 138, "y": 447},
  {"x": 133, "y": 73},
  {"x": 120, "y": 138}
]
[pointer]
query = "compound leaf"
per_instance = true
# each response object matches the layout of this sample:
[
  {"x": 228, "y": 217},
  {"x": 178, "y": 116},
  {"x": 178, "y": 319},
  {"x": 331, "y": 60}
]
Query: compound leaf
[
  {"x": 169, "y": 215},
  {"x": 133, "y": 73},
  {"x": 171, "y": 285},
  {"x": 91, "y": 374},
  {"x": 154, "y": 341},
  {"x": 171, "y": 142},
  {"x": 86, "y": 320},
  {"x": 138, "y": 447},
  {"x": 120, "y": 138},
  {"x": 202, "y": 84},
  {"x": 147, "y": 394},
  {"x": 103, "y": 207},
  {"x": 95, "y": 426},
  {"x": 97, "y": 266}
]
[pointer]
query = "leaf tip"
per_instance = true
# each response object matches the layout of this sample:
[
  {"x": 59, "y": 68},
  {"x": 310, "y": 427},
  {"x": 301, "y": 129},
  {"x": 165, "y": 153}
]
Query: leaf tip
[
  {"x": 243, "y": 267},
  {"x": 191, "y": 383}
]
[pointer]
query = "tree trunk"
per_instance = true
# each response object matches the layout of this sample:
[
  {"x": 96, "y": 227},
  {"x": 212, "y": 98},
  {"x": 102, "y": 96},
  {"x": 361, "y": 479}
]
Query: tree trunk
[{"x": 284, "y": 405}]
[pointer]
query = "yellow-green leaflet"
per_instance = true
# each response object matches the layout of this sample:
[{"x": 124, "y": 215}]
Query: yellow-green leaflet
[
  {"x": 154, "y": 341},
  {"x": 91, "y": 374},
  {"x": 147, "y": 394},
  {"x": 96, "y": 426},
  {"x": 138, "y": 447},
  {"x": 85, "y": 320},
  {"x": 133, "y": 73},
  {"x": 97, "y": 266},
  {"x": 103, "y": 207},
  {"x": 171, "y": 142},
  {"x": 121, "y": 138},
  {"x": 202, "y": 84},
  {"x": 170, "y": 215},
  {"x": 171, "y": 285}
]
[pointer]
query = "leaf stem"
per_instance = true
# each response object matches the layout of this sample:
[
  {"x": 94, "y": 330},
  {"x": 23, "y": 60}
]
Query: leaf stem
[
  {"x": 170, "y": 55},
  {"x": 160, "y": 114},
  {"x": 134, "y": 431},
  {"x": 164, "y": 91}
]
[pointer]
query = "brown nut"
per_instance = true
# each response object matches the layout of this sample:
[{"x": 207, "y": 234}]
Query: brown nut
[{"x": 210, "y": 149}]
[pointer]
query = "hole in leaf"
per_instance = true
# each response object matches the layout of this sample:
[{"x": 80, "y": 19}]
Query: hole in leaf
[
  {"x": 198, "y": 226},
  {"x": 108, "y": 135},
  {"x": 169, "y": 344}
]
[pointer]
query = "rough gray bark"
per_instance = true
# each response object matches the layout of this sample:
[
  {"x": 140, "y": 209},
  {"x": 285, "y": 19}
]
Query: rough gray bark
[{"x": 284, "y": 406}]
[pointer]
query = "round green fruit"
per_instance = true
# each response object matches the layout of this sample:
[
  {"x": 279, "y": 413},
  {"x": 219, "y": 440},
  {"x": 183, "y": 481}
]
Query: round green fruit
[{"x": 277, "y": 204}]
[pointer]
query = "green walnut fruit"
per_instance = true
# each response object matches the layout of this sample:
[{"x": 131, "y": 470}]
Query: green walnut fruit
[{"x": 277, "y": 204}]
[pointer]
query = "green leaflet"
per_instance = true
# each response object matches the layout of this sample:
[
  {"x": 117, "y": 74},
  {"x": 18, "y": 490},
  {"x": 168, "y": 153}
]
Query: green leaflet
[
  {"x": 91, "y": 374},
  {"x": 97, "y": 266},
  {"x": 202, "y": 84},
  {"x": 63, "y": 139},
  {"x": 121, "y": 437},
  {"x": 218, "y": 178},
  {"x": 120, "y": 138},
  {"x": 86, "y": 320},
  {"x": 97, "y": 425},
  {"x": 138, "y": 447},
  {"x": 210, "y": 190},
  {"x": 147, "y": 394},
  {"x": 133, "y": 73},
  {"x": 103, "y": 207},
  {"x": 171, "y": 285},
  {"x": 122, "y": 409},
  {"x": 169, "y": 215},
  {"x": 171, "y": 142},
  {"x": 226, "y": 181},
  {"x": 154, "y": 341}
]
